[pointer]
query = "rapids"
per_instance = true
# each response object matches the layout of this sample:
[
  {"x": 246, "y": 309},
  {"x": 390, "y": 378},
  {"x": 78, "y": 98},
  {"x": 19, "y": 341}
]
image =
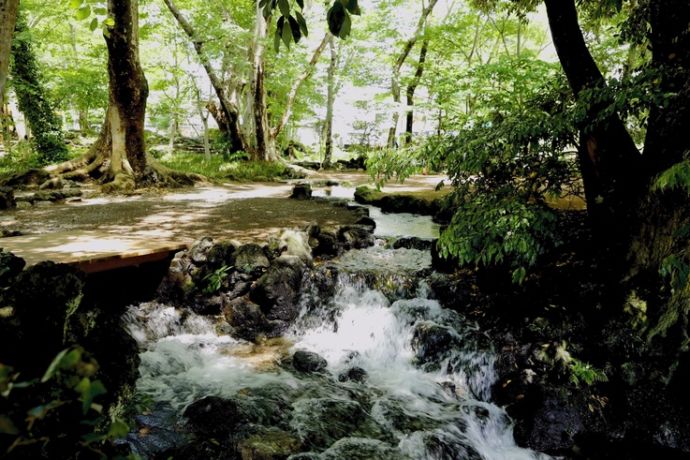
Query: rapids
[{"x": 426, "y": 390}]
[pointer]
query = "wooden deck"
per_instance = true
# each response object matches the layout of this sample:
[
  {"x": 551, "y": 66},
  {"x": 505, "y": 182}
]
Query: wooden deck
[{"x": 91, "y": 251}]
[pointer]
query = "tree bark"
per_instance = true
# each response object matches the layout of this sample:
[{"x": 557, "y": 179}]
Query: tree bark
[
  {"x": 411, "y": 88},
  {"x": 610, "y": 162},
  {"x": 330, "y": 102},
  {"x": 8, "y": 17},
  {"x": 228, "y": 116},
  {"x": 128, "y": 91},
  {"x": 395, "y": 78},
  {"x": 265, "y": 148}
]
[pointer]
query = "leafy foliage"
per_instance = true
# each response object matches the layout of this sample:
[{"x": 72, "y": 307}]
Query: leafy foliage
[
  {"x": 32, "y": 96},
  {"x": 214, "y": 280},
  {"x": 57, "y": 414}
]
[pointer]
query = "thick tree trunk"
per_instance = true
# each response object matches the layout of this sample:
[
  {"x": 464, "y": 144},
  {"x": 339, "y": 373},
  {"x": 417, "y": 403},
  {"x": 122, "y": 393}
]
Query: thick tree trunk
[
  {"x": 33, "y": 99},
  {"x": 664, "y": 216},
  {"x": 330, "y": 102},
  {"x": 265, "y": 147},
  {"x": 395, "y": 78},
  {"x": 609, "y": 160},
  {"x": 228, "y": 117},
  {"x": 411, "y": 88},
  {"x": 8, "y": 17}
]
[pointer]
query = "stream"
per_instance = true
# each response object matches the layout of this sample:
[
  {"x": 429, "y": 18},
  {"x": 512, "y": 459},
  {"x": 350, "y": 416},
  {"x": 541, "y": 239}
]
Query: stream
[{"x": 404, "y": 377}]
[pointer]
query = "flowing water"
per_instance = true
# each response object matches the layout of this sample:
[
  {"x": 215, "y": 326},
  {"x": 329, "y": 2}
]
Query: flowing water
[{"x": 424, "y": 372}]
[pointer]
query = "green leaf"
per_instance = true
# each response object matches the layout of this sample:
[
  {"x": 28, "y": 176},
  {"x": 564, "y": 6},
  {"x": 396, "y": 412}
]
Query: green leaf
[
  {"x": 353, "y": 7},
  {"x": 83, "y": 13},
  {"x": 93, "y": 25},
  {"x": 118, "y": 429},
  {"x": 7, "y": 426},
  {"x": 294, "y": 26},
  {"x": 109, "y": 21},
  {"x": 302, "y": 24},
  {"x": 263, "y": 3},
  {"x": 284, "y": 7},
  {"x": 74, "y": 4},
  {"x": 287, "y": 35},
  {"x": 336, "y": 17},
  {"x": 279, "y": 33},
  {"x": 54, "y": 366},
  {"x": 301, "y": 4},
  {"x": 346, "y": 27}
]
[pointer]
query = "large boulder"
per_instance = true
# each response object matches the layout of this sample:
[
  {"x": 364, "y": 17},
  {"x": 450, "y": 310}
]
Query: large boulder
[
  {"x": 301, "y": 192},
  {"x": 413, "y": 242},
  {"x": 199, "y": 250},
  {"x": 247, "y": 320},
  {"x": 251, "y": 258},
  {"x": 321, "y": 421},
  {"x": 269, "y": 444},
  {"x": 221, "y": 254},
  {"x": 431, "y": 341},
  {"x": 278, "y": 290},
  {"x": 308, "y": 362},
  {"x": 325, "y": 244},
  {"x": 213, "y": 416},
  {"x": 356, "y": 236}
]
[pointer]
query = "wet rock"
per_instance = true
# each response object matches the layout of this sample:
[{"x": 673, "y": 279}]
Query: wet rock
[
  {"x": 367, "y": 222},
  {"x": 555, "y": 426},
  {"x": 199, "y": 250},
  {"x": 430, "y": 341},
  {"x": 392, "y": 414},
  {"x": 10, "y": 267},
  {"x": 413, "y": 243},
  {"x": 362, "y": 449},
  {"x": 278, "y": 290},
  {"x": 444, "y": 446},
  {"x": 214, "y": 416},
  {"x": 8, "y": 233},
  {"x": 326, "y": 244},
  {"x": 246, "y": 319},
  {"x": 7, "y": 200},
  {"x": 301, "y": 192},
  {"x": 354, "y": 374},
  {"x": 305, "y": 456},
  {"x": 251, "y": 259},
  {"x": 308, "y": 362},
  {"x": 178, "y": 282},
  {"x": 45, "y": 295},
  {"x": 269, "y": 444},
  {"x": 356, "y": 236},
  {"x": 321, "y": 421},
  {"x": 221, "y": 254}
]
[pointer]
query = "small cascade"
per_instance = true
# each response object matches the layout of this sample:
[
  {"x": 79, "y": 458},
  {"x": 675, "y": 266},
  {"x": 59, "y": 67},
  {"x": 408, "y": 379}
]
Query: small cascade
[{"x": 385, "y": 372}]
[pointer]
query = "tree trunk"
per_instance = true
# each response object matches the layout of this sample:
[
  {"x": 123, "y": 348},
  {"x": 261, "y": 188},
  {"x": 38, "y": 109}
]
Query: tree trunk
[
  {"x": 265, "y": 148},
  {"x": 330, "y": 102},
  {"x": 8, "y": 17},
  {"x": 33, "y": 99},
  {"x": 395, "y": 78},
  {"x": 411, "y": 88},
  {"x": 609, "y": 160},
  {"x": 128, "y": 91},
  {"x": 228, "y": 117}
]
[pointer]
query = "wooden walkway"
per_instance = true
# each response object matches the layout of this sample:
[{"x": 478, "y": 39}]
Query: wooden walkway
[{"x": 91, "y": 251}]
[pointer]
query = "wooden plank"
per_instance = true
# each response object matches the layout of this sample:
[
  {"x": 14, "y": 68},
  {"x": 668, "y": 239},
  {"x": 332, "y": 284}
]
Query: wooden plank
[{"x": 91, "y": 251}]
